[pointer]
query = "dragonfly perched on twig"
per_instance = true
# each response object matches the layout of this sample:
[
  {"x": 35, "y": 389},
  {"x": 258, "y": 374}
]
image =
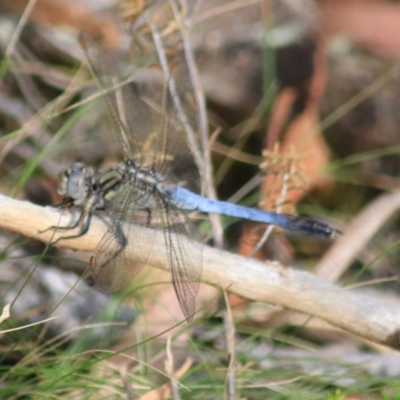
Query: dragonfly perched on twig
[{"x": 148, "y": 187}]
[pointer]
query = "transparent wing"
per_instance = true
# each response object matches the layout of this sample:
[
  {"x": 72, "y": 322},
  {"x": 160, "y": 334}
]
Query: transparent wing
[
  {"x": 181, "y": 119},
  {"x": 143, "y": 111},
  {"x": 184, "y": 258},
  {"x": 108, "y": 79},
  {"x": 112, "y": 269},
  {"x": 152, "y": 116}
]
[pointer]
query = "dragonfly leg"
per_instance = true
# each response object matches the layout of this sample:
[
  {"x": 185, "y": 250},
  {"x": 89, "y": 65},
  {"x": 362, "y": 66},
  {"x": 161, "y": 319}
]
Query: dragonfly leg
[
  {"x": 83, "y": 222},
  {"x": 121, "y": 238},
  {"x": 65, "y": 228}
]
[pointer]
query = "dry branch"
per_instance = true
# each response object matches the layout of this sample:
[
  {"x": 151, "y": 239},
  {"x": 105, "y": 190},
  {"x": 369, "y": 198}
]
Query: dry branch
[
  {"x": 361, "y": 230},
  {"x": 264, "y": 282}
]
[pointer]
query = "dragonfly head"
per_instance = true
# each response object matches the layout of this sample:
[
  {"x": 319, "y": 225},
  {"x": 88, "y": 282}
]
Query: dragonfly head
[{"x": 75, "y": 183}]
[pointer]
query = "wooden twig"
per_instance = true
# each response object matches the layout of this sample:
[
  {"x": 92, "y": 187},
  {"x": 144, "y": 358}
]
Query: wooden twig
[
  {"x": 265, "y": 282},
  {"x": 361, "y": 230}
]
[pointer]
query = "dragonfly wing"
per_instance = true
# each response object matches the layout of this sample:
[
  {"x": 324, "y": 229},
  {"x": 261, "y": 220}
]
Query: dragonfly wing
[
  {"x": 184, "y": 258},
  {"x": 142, "y": 110},
  {"x": 112, "y": 267},
  {"x": 121, "y": 84},
  {"x": 155, "y": 121}
]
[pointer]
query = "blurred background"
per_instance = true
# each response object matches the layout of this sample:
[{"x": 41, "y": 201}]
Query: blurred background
[{"x": 302, "y": 103}]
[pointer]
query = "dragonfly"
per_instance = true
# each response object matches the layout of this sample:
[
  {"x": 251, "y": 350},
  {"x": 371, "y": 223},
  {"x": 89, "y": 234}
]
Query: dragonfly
[{"x": 153, "y": 187}]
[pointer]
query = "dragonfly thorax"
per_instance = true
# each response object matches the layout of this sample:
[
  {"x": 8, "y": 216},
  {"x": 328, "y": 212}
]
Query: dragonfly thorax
[{"x": 128, "y": 177}]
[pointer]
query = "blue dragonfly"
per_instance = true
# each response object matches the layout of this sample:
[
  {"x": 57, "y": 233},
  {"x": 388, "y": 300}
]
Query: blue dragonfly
[{"x": 155, "y": 186}]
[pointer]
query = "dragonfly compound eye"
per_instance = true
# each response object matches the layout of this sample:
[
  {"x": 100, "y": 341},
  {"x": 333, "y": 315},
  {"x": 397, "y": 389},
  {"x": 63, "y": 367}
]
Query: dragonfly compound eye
[{"x": 73, "y": 183}]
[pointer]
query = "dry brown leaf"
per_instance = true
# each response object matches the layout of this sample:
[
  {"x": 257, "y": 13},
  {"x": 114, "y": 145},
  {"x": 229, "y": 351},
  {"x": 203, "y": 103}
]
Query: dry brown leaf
[
  {"x": 53, "y": 12},
  {"x": 184, "y": 368},
  {"x": 373, "y": 24},
  {"x": 302, "y": 146},
  {"x": 159, "y": 393},
  {"x": 303, "y": 136},
  {"x": 282, "y": 107}
]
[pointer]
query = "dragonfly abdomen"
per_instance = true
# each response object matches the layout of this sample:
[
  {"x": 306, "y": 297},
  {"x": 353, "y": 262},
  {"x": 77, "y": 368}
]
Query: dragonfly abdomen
[{"x": 186, "y": 200}]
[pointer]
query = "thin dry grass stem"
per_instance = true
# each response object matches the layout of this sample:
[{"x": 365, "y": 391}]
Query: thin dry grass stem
[
  {"x": 217, "y": 131},
  {"x": 373, "y": 282},
  {"x": 43, "y": 349},
  {"x": 361, "y": 230},
  {"x": 267, "y": 282},
  {"x": 19, "y": 328},
  {"x": 248, "y": 126},
  {"x": 191, "y": 136},
  {"x": 251, "y": 184},
  {"x": 365, "y": 94},
  {"x": 207, "y": 173},
  {"x": 21, "y": 24},
  {"x": 236, "y": 154},
  {"x": 230, "y": 381},
  {"x": 125, "y": 380},
  {"x": 50, "y": 111},
  {"x": 169, "y": 369},
  {"x": 203, "y": 158},
  {"x": 219, "y": 10},
  {"x": 131, "y": 9}
]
